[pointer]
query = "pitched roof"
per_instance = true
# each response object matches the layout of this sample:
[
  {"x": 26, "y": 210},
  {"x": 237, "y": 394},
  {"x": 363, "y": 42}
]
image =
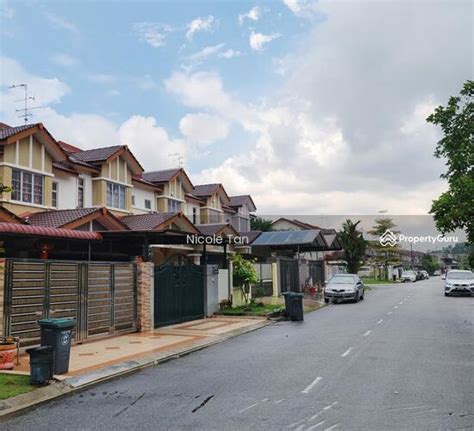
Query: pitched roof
[
  {"x": 240, "y": 200},
  {"x": 300, "y": 224},
  {"x": 160, "y": 176},
  {"x": 204, "y": 190},
  {"x": 9, "y": 217},
  {"x": 76, "y": 217},
  {"x": 64, "y": 166},
  {"x": 216, "y": 229},
  {"x": 97, "y": 155},
  {"x": 58, "y": 218},
  {"x": 251, "y": 235},
  {"x": 10, "y": 131},
  {"x": 48, "y": 232},
  {"x": 146, "y": 221},
  {"x": 68, "y": 147}
]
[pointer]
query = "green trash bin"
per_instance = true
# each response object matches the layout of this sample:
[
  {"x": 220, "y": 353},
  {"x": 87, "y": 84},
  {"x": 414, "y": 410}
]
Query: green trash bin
[
  {"x": 294, "y": 306},
  {"x": 41, "y": 364},
  {"x": 57, "y": 333}
]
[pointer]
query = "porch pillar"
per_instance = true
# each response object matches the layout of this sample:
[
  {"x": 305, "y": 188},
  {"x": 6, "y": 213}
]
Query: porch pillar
[
  {"x": 2, "y": 295},
  {"x": 145, "y": 296},
  {"x": 276, "y": 291}
]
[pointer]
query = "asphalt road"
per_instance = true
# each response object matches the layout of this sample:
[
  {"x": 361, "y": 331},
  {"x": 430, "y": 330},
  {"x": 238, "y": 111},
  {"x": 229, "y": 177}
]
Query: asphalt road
[{"x": 402, "y": 359}]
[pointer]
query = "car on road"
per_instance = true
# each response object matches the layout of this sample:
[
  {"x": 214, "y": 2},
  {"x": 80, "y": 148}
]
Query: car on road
[
  {"x": 344, "y": 287},
  {"x": 437, "y": 273},
  {"x": 424, "y": 274},
  {"x": 459, "y": 282},
  {"x": 408, "y": 276}
]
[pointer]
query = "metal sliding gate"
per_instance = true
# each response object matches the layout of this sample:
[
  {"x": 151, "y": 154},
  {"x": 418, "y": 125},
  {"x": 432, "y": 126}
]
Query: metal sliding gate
[
  {"x": 179, "y": 291},
  {"x": 100, "y": 295},
  {"x": 289, "y": 276},
  {"x": 316, "y": 271}
]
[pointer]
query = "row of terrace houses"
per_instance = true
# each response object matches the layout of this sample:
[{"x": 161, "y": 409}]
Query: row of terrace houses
[{"x": 48, "y": 176}]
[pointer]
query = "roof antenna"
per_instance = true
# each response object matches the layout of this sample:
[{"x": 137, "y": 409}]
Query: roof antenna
[
  {"x": 25, "y": 112},
  {"x": 178, "y": 158}
]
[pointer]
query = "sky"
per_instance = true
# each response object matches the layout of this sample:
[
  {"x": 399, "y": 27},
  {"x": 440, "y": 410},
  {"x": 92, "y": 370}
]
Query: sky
[{"x": 312, "y": 107}]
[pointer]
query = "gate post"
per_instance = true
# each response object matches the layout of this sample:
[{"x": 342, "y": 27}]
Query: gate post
[
  {"x": 2, "y": 297},
  {"x": 145, "y": 293}
]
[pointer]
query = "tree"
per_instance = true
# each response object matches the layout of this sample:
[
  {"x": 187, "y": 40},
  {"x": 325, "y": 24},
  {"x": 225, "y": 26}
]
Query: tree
[
  {"x": 454, "y": 209},
  {"x": 261, "y": 224},
  {"x": 384, "y": 254},
  {"x": 353, "y": 244},
  {"x": 244, "y": 274},
  {"x": 429, "y": 263}
]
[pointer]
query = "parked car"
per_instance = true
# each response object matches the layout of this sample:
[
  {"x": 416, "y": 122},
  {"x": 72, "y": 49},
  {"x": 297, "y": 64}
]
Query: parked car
[
  {"x": 437, "y": 273},
  {"x": 424, "y": 274},
  {"x": 459, "y": 282},
  {"x": 408, "y": 276},
  {"x": 344, "y": 287}
]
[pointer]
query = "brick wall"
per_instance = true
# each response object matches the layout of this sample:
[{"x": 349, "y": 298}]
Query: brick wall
[
  {"x": 145, "y": 290},
  {"x": 2, "y": 294}
]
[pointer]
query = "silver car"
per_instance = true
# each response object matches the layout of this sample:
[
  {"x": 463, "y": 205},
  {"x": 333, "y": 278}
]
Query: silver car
[
  {"x": 344, "y": 287},
  {"x": 459, "y": 282}
]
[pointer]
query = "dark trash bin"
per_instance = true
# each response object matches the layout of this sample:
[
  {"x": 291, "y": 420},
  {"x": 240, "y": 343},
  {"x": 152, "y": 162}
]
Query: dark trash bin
[
  {"x": 294, "y": 306},
  {"x": 41, "y": 364},
  {"x": 58, "y": 334}
]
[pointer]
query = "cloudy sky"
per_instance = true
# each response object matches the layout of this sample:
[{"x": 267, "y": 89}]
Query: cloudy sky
[{"x": 311, "y": 107}]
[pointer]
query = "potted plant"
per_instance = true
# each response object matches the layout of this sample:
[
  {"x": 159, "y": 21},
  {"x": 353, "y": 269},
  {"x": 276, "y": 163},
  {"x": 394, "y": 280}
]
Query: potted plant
[{"x": 8, "y": 352}]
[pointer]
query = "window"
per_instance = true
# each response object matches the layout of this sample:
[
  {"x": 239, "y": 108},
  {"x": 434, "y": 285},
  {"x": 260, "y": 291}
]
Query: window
[
  {"x": 148, "y": 204},
  {"x": 133, "y": 200},
  {"x": 80, "y": 192},
  {"x": 174, "y": 206},
  {"x": 194, "y": 215},
  {"x": 54, "y": 194},
  {"x": 115, "y": 196},
  {"x": 27, "y": 187}
]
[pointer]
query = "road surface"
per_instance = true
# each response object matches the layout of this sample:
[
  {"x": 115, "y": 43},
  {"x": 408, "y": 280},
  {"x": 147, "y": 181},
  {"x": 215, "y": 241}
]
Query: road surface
[{"x": 402, "y": 359}]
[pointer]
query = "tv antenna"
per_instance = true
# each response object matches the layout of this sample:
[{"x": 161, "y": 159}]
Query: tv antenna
[
  {"x": 178, "y": 158},
  {"x": 25, "y": 111}
]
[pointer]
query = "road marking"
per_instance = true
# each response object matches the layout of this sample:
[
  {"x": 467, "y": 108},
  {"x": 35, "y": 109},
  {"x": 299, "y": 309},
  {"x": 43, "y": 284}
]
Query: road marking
[
  {"x": 265, "y": 399},
  {"x": 367, "y": 333},
  {"x": 380, "y": 321},
  {"x": 296, "y": 423},
  {"x": 346, "y": 352},
  {"x": 389, "y": 313},
  {"x": 311, "y": 385},
  {"x": 315, "y": 426},
  {"x": 396, "y": 306},
  {"x": 278, "y": 402},
  {"x": 331, "y": 428},
  {"x": 249, "y": 407}
]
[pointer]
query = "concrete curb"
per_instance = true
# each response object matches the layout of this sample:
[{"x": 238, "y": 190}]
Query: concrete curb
[{"x": 37, "y": 397}]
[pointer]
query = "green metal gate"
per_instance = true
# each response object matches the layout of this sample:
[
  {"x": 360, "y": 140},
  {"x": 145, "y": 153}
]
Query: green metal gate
[{"x": 179, "y": 291}]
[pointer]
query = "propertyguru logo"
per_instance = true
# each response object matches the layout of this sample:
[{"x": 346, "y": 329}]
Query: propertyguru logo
[{"x": 390, "y": 239}]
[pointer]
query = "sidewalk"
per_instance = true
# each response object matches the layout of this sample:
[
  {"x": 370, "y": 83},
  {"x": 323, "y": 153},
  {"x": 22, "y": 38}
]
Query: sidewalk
[{"x": 109, "y": 358}]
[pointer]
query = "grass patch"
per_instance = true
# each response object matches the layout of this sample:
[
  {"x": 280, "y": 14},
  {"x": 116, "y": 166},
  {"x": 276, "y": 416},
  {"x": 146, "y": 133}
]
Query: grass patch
[
  {"x": 371, "y": 280},
  {"x": 12, "y": 385},
  {"x": 253, "y": 309}
]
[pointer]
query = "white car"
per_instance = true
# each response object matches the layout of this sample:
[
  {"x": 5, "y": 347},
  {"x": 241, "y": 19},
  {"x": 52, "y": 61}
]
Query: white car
[
  {"x": 408, "y": 276},
  {"x": 459, "y": 281}
]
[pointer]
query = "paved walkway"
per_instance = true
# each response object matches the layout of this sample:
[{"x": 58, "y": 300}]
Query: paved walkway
[{"x": 95, "y": 355}]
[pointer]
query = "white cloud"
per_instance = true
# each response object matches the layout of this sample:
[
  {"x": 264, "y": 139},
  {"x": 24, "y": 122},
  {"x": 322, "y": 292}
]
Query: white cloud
[
  {"x": 203, "y": 128},
  {"x": 6, "y": 11},
  {"x": 199, "y": 24},
  {"x": 61, "y": 23},
  {"x": 257, "y": 40},
  {"x": 64, "y": 60},
  {"x": 149, "y": 142},
  {"x": 152, "y": 33},
  {"x": 207, "y": 51},
  {"x": 230, "y": 53},
  {"x": 253, "y": 14},
  {"x": 302, "y": 8}
]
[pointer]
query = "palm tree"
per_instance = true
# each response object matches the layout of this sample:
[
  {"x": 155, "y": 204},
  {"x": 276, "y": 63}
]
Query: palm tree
[{"x": 353, "y": 244}]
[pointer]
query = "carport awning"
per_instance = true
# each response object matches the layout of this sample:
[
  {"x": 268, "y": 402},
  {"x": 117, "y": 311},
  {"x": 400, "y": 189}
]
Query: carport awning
[{"x": 312, "y": 239}]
